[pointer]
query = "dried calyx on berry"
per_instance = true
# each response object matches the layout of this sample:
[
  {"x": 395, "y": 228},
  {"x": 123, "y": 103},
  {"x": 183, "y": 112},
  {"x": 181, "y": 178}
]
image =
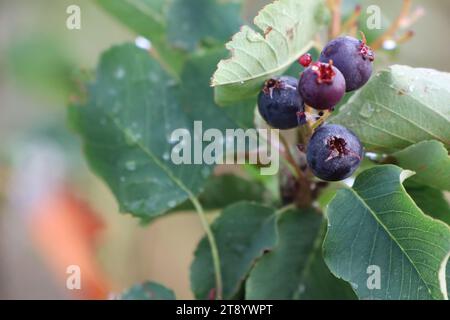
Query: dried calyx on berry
[
  {"x": 334, "y": 152},
  {"x": 324, "y": 71},
  {"x": 338, "y": 148},
  {"x": 280, "y": 104},
  {"x": 365, "y": 50},
  {"x": 352, "y": 57},
  {"x": 274, "y": 84},
  {"x": 322, "y": 85}
]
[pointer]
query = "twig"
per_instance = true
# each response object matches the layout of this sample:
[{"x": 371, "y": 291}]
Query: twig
[
  {"x": 405, "y": 37},
  {"x": 304, "y": 196},
  {"x": 378, "y": 43},
  {"x": 407, "y": 22},
  {"x": 335, "y": 6},
  {"x": 352, "y": 21}
]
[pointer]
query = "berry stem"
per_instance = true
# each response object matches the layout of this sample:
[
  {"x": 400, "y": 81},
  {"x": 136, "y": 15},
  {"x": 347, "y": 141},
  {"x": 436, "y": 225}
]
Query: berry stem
[
  {"x": 283, "y": 159},
  {"x": 212, "y": 244},
  {"x": 378, "y": 43},
  {"x": 304, "y": 197},
  {"x": 304, "y": 134},
  {"x": 322, "y": 119},
  {"x": 298, "y": 173}
]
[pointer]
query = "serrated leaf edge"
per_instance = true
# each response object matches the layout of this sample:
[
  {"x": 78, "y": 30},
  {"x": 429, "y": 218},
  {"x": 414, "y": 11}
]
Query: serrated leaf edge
[{"x": 442, "y": 269}]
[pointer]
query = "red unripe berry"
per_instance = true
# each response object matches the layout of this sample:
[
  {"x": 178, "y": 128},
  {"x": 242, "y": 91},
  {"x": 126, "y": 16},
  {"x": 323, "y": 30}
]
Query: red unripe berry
[{"x": 305, "y": 60}]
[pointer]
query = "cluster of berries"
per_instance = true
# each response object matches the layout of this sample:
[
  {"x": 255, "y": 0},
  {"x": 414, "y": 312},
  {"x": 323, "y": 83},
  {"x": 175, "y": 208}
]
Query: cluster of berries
[{"x": 345, "y": 64}]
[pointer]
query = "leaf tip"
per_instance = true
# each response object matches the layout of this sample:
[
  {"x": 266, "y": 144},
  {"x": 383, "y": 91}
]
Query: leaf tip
[{"x": 405, "y": 174}]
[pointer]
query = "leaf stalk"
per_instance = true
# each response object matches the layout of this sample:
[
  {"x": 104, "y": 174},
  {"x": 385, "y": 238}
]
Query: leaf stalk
[{"x": 212, "y": 244}]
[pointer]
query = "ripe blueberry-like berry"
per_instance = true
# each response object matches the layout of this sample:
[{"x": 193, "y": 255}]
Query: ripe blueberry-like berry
[
  {"x": 321, "y": 85},
  {"x": 280, "y": 104},
  {"x": 352, "y": 57},
  {"x": 334, "y": 152}
]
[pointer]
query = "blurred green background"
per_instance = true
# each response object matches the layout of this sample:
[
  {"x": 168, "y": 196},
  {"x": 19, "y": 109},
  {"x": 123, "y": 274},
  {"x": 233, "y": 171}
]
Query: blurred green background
[{"x": 39, "y": 58}]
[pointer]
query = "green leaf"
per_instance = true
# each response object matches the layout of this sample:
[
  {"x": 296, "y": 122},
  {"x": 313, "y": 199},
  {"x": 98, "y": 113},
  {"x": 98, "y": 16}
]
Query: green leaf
[
  {"x": 270, "y": 183},
  {"x": 147, "y": 18},
  {"x": 126, "y": 125},
  {"x": 287, "y": 27},
  {"x": 133, "y": 108},
  {"x": 447, "y": 274},
  {"x": 399, "y": 107},
  {"x": 198, "y": 97},
  {"x": 190, "y": 22},
  {"x": 243, "y": 231},
  {"x": 40, "y": 64},
  {"x": 430, "y": 161},
  {"x": 148, "y": 291},
  {"x": 296, "y": 263},
  {"x": 222, "y": 191},
  {"x": 431, "y": 201},
  {"x": 376, "y": 223}
]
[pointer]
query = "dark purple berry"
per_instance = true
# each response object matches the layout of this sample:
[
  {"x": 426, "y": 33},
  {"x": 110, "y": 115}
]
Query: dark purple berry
[
  {"x": 334, "y": 152},
  {"x": 280, "y": 104},
  {"x": 321, "y": 86},
  {"x": 352, "y": 57}
]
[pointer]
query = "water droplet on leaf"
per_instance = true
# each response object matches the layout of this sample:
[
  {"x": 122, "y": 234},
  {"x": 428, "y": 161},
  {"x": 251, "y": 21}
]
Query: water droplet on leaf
[
  {"x": 301, "y": 288},
  {"x": 143, "y": 43},
  {"x": 367, "y": 110},
  {"x": 120, "y": 73},
  {"x": 171, "y": 203},
  {"x": 130, "y": 165}
]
